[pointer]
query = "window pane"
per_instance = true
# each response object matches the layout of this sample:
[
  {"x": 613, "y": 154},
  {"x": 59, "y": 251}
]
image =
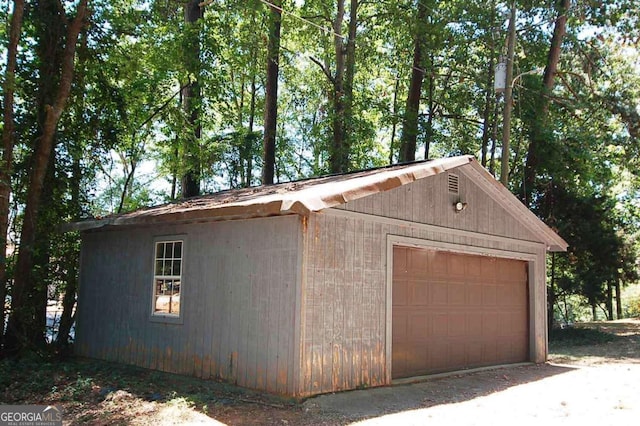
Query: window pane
[
  {"x": 159, "y": 287},
  {"x": 162, "y": 304},
  {"x": 167, "y": 283}
]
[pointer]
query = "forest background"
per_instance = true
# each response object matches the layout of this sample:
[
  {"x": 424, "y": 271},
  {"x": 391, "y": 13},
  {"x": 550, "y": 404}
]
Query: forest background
[{"x": 110, "y": 106}]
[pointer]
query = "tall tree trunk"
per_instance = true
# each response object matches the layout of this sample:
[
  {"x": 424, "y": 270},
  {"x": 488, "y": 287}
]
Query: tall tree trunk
[
  {"x": 248, "y": 144},
  {"x": 191, "y": 102},
  {"x": 337, "y": 95},
  {"x": 618, "y": 300},
  {"x": 8, "y": 130},
  {"x": 408, "y": 141},
  {"x": 394, "y": 125},
  {"x": 486, "y": 115},
  {"x": 490, "y": 96},
  {"x": 551, "y": 293},
  {"x": 432, "y": 109},
  {"x": 128, "y": 181},
  {"x": 271, "y": 94},
  {"x": 21, "y": 318},
  {"x": 341, "y": 93},
  {"x": 349, "y": 77},
  {"x": 71, "y": 275},
  {"x": 609, "y": 301},
  {"x": 494, "y": 137},
  {"x": 538, "y": 138}
]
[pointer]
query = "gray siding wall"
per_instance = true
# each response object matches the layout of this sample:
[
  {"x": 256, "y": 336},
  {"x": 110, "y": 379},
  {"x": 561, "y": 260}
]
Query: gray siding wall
[
  {"x": 238, "y": 301},
  {"x": 429, "y": 201},
  {"x": 345, "y": 291}
]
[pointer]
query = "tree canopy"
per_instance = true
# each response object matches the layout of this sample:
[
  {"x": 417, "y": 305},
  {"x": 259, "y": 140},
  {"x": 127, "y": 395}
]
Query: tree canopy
[{"x": 110, "y": 106}]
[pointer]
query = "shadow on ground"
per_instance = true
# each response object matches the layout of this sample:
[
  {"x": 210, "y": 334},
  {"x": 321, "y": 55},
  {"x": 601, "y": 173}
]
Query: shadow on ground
[
  {"x": 361, "y": 404},
  {"x": 97, "y": 392}
]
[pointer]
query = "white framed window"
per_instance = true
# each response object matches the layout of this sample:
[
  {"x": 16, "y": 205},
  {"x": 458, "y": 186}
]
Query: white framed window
[{"x": 167, "y": 276}]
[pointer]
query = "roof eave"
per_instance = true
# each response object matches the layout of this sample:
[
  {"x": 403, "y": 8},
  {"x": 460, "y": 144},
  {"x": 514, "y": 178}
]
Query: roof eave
[
  {"x": 302, "y": 202},
  {"x": 553, "y": 241}
]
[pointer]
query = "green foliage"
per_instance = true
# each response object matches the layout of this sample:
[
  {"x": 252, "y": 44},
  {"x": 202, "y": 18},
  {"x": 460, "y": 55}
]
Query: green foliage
[
  {"x": 579, "y": 336},
  {"x": 633, "y": 309},
  {"x": 121, "y": 142}
]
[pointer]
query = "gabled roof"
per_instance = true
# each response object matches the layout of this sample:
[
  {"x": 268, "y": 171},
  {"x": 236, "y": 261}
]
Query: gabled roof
[{"x": 312, "y": 195}]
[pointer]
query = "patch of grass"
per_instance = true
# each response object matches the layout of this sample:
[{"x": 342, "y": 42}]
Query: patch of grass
[{"x": 579, "y": 336}]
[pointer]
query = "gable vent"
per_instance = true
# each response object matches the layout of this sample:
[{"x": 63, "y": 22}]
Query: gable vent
[{"x": 453, "y": 183}]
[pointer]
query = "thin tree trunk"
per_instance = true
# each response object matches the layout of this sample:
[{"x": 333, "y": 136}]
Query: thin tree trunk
[
  {"x": 618, "y": 300},
  {"x": 349, "y": 76},
  {"x": 191, "y": 104},
  {"x": 71, "y": 276},
  {"x": 127, "y": 183},
  {"x": 537, "y": 133},
  {"x": 486, "y": 116},
  {"x": 490, "y": 92},
  {"x": 174, "y": 173},
  {"x": 337, "y": 94},
  {"x": 6, "y": 166},
  {"x": 551, "y": 293},
  {"x": 24, "y": 283},
  {"x": 395, "y": 120},
  {"x": 241, "y": 143},
  {"x": 408, "y": 141},
  {"x": 609, "y": 301},
  {"x": 248, "y": 147},
  {"x": 494, "y": 137},
  {"x": 432, "y": 111},
  {"x": 176, "y": 157},
  {"x": 271, "y": 95}
]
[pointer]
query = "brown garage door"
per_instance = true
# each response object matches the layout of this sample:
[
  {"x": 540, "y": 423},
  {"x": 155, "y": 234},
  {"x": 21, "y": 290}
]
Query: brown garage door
[{"x": 455, "y": 311}]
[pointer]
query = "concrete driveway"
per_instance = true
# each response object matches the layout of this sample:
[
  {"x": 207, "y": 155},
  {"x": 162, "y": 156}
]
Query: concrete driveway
[{"x": 604, "y": 394}]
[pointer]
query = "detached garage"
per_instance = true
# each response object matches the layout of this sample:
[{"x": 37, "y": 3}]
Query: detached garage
[{"x": 321, "y": 285}]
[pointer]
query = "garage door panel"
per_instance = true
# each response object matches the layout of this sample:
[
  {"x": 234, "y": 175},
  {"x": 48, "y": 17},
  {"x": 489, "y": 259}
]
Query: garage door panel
[
  {"x": 457, "y": 294},
  {"x": 440, "y": 325},
  {"x": 489, "y": 295},
  {"x": 417, "y": 260},
  {"x": 439, "y": 293},
  {"x": 457, "y": 266},
  {"x": 474, "y": 323},
  {"x": 400, "y": 292},
  {"x": 419, "y": 326},
  {"x": 454, "y": 311},
  {"x": 474, "y": 294},
  {"x": 415, "y": 357},
  {"x": 418, "y": 293},
  {"x": 489, "y": 324},
  {"x": 488, "y": 268},
  {"x": 438, "y": 266},
  {"x": 457, "y": 325},
  {"x": 400, "y": 327}
]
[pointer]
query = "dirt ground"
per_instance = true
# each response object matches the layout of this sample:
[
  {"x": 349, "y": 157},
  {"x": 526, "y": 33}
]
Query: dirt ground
[{"x": 594, "y": 381}]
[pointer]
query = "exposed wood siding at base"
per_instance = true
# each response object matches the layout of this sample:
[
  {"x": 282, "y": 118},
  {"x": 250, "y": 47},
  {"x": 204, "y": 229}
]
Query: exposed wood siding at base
[
  {"x": 344, "y": 337},
  {"x": 238, "y": 301},
  {"x": 342, "y": 307}
]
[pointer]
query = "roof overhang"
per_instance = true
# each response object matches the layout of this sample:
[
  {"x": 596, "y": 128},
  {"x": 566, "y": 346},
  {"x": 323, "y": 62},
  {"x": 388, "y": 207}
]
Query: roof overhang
[{"x": 313, "y": 195}]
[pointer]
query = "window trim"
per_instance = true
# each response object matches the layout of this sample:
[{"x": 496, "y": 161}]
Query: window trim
[{"x": 159, "y": 316}]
